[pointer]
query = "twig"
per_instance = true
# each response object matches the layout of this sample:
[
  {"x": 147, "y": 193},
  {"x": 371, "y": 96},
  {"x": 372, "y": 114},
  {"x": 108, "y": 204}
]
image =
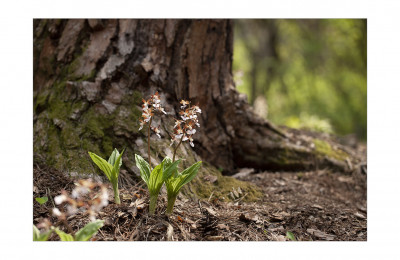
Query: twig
[{"x": 212, "y": 193}]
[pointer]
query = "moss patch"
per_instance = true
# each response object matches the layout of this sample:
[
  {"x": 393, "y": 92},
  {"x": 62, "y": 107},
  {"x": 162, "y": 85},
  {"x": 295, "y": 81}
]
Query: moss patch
[
  {"x": 325, "y": 149},
  {"x": 221, "y": 188}
]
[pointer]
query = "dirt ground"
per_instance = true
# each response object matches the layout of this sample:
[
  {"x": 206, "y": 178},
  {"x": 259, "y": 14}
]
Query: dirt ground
[{"x": 314, "y": 205}]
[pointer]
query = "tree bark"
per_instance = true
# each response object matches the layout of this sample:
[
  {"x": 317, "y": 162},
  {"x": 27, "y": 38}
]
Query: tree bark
[{"x": 91, "y": 75}]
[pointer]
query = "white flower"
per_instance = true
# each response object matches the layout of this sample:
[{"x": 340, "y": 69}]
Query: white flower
[
  {"x": 79, "y": 191},
  {"x": 184, "y": 103},
  {"x": 191, "y": 131},
  {"x": 57, "y": 212},
  {"x": 60, "y": 199},
  {"x": 191, "y": 141},
  {"x": 196, "y": 109},
  {"x": 156, "y": 130}
]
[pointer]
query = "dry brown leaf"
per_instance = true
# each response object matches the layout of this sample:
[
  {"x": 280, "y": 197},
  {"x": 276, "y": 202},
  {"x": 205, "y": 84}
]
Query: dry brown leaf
[
  {"x": 359, "y": 215},
  {"x": 170, "y": 232},
  {"x": 243, "y": 173},
  {"x": 211, "y": 178},
  {"x": 214, "y": 238},
  {"x": 211, "y": 211},
  {"x": 249, "y": 217},
  {"x": 321, "y": 234}
]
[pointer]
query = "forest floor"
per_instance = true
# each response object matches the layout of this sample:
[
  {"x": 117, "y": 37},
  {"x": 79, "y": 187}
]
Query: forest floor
[{"x": 314, "y": 205}]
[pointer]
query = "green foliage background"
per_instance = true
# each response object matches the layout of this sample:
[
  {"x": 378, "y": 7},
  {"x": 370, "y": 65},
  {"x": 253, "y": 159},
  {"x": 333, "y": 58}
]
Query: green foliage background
[{"x": 313, "y": 73}]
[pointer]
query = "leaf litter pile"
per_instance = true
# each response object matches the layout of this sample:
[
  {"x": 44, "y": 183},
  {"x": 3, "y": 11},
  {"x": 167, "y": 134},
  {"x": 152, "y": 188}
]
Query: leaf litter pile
[{"x": 305, "y": 206}]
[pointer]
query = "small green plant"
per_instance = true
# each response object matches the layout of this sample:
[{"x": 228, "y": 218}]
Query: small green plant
[
  {"x": 84, "y": 234},
  {"x": 156, "y": 177},
  {"x": 42, "y": 200},
  {"x": 177, "y": 181},
  {"x": 110, "y": 169}
]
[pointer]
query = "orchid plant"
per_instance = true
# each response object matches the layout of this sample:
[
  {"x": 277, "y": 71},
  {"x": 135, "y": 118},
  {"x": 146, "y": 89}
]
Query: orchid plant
[
  {"x": 167, "y": 171},
  {"x": 110, "y": 169}
]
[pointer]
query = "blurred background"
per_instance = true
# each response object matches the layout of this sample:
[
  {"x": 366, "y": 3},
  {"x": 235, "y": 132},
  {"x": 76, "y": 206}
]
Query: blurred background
[{"x": 309, "y": 74}]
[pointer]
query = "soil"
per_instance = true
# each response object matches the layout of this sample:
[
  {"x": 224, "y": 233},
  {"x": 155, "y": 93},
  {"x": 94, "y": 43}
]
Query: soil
[{"x": 314, "y": 205}]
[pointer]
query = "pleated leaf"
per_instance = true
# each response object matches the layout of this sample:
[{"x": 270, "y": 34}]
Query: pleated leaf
[
  {"x": 117, "y": 164},
  {"x": 64, "y": 236},
  {"x": 85, "y": 233},
  {"x": 188, "y": 174},
  {"x": 170, "y": 168},
  {"x": 144, "y": 168},
  {"x": 113, "y": 157},
  {"x": 175, "y": 184},
  {"x": 102, "y": 164},
  {"x": 156, "y": 179},
  {"x": 37, "y": 236}
]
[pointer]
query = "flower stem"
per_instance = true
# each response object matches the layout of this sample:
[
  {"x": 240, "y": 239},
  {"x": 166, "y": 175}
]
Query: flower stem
[
  {"x": 173, "y": 158},
  {"x": 171, "y": 203},
  {"x": 148, "y": 141},
  {"x": 153, "y": 204},
  {"x": 116, "y": 193}
]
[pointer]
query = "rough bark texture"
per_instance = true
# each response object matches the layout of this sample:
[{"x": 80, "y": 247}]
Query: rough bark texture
[{"x": 90, "y": 77}]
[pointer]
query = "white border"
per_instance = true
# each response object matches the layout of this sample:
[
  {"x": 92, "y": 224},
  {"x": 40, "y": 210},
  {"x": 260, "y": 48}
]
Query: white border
[{"x": 383, "y": 124}]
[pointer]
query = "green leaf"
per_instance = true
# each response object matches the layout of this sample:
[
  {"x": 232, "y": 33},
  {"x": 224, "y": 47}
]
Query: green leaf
[
  {"x": 143, "y": 167},
  {"x": 187, "y": 175},
  {"x": 37, "y": 236},
  {"x": 156, "y": 179},
  {"x": 64, "y": 236},
  {"x": 42, "y": 200},
  {"x": 36, "y": 233},
  {"x": 169, "y": 167},
  {"x": 290, "y": 236},
  {"x": 117, "y": 164},
  {"x": 85, "y": 233},
  {"x": 102, "y": 164},
  {"x": 113, "y": 157}
]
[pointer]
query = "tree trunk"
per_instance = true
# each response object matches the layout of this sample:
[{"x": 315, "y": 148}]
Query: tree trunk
[{"x": 91, "y": 75}]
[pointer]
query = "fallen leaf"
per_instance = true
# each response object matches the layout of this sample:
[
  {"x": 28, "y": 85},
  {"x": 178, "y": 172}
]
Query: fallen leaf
[
  {"x": 126, "y": 196},
  {"x": 170, "y": 232},
  {"x": 222, "y": 226},
  {"x": 321, "y": 234},
  {"x": 211, "y": 178},
  {"x": 139, "y": 204},
  {"x": 211, "y": 211},
  {"x": 249, "y": 217},
  {"x": 236, "y": 194},
  {"x": 317, "y": 206},
  {"x": 214, "y": 238},
  {"x": 279, "y": 216},
  {"x": 243, "y": 173},
  {"x": 359, "y": 215},
  {"x": 279, "y": 182}
]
